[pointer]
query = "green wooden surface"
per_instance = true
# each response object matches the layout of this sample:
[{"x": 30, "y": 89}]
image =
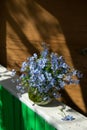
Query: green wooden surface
[
  {"x": 15, "y": 115},
  {"x": 1, "y": 117}
]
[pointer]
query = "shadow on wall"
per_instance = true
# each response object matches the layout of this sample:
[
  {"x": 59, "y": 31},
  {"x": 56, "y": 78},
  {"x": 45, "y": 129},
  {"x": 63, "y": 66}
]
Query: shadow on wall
[
  {"x": 43, "y": 24},
  {"x": 17, "y": 23},
  {"x": 3, "y": 55},
  {"x": 30, "y": 25},
  {"x": 73, "y": 20},
  {"x": 20, "y": 34}
]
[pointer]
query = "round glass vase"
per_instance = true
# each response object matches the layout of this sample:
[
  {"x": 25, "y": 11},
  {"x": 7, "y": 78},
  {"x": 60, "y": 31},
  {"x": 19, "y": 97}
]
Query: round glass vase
[{"x": 37, "y": 97}]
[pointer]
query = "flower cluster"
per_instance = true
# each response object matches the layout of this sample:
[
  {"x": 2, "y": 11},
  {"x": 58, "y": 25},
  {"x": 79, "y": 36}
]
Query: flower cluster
[{"x": 47, "y": 74}]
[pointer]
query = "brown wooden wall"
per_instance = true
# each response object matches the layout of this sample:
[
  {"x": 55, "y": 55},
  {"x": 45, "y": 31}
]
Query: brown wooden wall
[{"x": 62, "y": 24}]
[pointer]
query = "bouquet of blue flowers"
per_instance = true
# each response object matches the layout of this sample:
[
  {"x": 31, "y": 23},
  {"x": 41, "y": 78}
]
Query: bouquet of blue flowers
[{"x": 45, "y": 75}]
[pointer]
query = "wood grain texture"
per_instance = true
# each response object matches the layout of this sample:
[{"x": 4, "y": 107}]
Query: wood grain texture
[{"x": 24, "y": 24}]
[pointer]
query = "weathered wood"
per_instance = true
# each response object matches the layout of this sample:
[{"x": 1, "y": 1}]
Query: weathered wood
[{"x": 3, "y": 51}]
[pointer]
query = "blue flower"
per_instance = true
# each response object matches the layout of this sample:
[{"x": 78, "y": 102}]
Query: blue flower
[
  {"x": 35, "y": 55},
  {"x": 48, "y": 73},
  {"x": 68, "y": 118},
  {"x": 13, "y": 72},
  {"x": 44, "y": 53},
  {"x": 41, "y": 62}
]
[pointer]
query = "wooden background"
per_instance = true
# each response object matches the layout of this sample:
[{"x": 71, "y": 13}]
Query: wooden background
[{"x": 25, "y": 24}]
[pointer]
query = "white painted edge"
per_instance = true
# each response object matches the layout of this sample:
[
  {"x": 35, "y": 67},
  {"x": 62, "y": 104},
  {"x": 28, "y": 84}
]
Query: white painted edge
[{"x": 50, "y": 113}]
